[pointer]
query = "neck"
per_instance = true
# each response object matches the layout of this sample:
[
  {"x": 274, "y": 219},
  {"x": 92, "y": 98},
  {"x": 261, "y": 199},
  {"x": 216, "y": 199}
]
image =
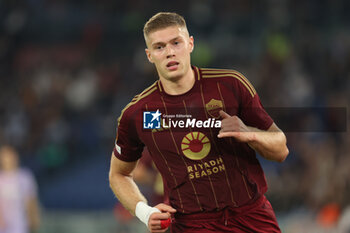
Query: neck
[{"x": 180, "y": 85}]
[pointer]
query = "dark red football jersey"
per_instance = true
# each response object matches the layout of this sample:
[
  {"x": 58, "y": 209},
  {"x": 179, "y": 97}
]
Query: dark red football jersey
[{"x": 200, "y": 171}]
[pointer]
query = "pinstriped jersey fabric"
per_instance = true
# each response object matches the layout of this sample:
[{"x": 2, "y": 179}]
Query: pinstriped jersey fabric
[{"x": 201, "y": 172}]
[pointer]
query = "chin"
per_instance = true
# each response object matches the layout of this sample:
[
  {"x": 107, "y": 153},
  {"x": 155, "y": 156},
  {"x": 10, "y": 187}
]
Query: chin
[{"x": 174, "y": 77}]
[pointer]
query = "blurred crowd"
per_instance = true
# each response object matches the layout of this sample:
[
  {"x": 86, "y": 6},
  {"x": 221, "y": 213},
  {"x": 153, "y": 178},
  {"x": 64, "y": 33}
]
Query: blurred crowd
[{"x": 67, "y": 68}]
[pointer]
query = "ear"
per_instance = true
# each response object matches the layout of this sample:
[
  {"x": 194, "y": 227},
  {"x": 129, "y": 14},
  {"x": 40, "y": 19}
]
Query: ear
[
  {"x": 191, "y": 44},
  {"x": 149, "y": 56}
]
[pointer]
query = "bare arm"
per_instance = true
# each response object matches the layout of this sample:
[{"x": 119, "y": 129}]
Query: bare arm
[
  {"x": 126, "y": 190},
  {"x": 33, "y": 213},
  {"x": 270, "y": 144},
  {"x": 123, "y": 185}
]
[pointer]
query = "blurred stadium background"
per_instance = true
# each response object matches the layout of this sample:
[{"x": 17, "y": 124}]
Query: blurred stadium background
[{"x": 67, "y": 68}]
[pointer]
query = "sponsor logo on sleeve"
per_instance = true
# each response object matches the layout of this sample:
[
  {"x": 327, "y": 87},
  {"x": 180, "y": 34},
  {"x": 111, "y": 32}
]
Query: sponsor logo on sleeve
[{"x": 119, "y": 150}]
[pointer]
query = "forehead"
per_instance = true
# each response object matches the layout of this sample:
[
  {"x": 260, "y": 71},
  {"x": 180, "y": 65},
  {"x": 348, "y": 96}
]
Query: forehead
[{"x": 166, "y": 34}]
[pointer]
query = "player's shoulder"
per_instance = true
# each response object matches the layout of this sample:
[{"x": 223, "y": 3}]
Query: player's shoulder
[
  {"x": 146, "y": 94},
  {"x": 139, "y": 100},
  {"x": 214, "y": 73},
  {"x": 228, "y": 76}
]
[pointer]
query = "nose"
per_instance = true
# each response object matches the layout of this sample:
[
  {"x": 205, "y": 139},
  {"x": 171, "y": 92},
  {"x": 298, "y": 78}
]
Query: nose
[{"x": 170, "y": 52}]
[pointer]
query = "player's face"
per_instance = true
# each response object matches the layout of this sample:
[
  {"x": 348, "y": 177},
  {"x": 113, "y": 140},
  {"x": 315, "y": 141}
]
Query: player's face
[
  {"x": 8, "y": 159},
  {"x": 169, "y": 49}
]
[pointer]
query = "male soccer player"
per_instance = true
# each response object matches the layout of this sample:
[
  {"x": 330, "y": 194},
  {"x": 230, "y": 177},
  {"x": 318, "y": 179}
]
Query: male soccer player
[{"x": 202, "y": 128}]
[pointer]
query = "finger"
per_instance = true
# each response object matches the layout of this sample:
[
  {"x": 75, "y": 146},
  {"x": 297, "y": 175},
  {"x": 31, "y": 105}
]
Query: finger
[
  {"x": 224, "y": 115},
  {"x": 228, "y": 134},
  {"x": 156, "y": 226},
  {"x": 227, "y": 125},
  {"x": 159, "y": 216},
  {"x": 154, "y": 223},
  {"x": 159, "y": 231},
  {"x": 165, "y": 208}
]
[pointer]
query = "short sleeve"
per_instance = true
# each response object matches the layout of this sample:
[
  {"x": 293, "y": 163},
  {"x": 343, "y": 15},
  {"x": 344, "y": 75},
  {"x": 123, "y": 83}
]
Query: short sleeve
[
  {"x": 128, "y": 146},
  {"x": 252, "y": 112},
  {"x": 29, "y": 185}
]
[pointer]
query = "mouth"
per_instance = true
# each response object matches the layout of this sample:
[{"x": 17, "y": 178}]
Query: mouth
[{"x": 172, "y": 65}]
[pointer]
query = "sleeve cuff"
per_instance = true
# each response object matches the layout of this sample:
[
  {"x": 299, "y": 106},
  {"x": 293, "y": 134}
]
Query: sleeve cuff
[{"x": 123, "y": 157}]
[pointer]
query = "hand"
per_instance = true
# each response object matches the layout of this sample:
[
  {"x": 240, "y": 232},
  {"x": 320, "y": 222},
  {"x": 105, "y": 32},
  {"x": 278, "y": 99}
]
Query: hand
[
  {"x": 154, "y": 221},
  {"x": 232, "y": 126}
]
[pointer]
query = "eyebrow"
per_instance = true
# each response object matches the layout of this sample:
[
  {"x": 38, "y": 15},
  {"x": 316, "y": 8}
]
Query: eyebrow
[{"x": 161, "y": 43}]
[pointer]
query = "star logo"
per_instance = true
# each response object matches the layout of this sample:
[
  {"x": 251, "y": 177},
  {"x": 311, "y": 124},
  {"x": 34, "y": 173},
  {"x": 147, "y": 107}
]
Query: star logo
[
  {"x": 151, "y": 120},
  {"x": 156, "y": 115}
]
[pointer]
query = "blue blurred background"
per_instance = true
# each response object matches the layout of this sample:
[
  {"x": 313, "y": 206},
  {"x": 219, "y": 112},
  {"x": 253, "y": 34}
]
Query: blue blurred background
[{"x": 67, "y": 68}]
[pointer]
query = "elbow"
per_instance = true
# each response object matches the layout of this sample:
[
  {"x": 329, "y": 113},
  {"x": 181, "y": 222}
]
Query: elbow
[
  {"x": 283, "y": 155},
  {"x": 115, "y": 178},
  {"x": 284, "y": 150},
  {"x": 110, "y": 178}
]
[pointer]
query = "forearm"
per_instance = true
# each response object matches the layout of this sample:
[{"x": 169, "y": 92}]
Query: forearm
[
  {"x": 126, "y": 190},
  {"x": 33, "y": 213},
  {"x": 269, "y": 144}
]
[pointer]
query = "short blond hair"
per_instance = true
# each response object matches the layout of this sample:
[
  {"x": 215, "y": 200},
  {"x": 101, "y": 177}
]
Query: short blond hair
[{"x": 163, "y": 20}]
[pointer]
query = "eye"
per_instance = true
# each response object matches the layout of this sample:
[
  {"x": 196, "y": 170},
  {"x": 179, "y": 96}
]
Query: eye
[
  {"x": 158, "y": 47},
  {"x": 176, "y": 42}
]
